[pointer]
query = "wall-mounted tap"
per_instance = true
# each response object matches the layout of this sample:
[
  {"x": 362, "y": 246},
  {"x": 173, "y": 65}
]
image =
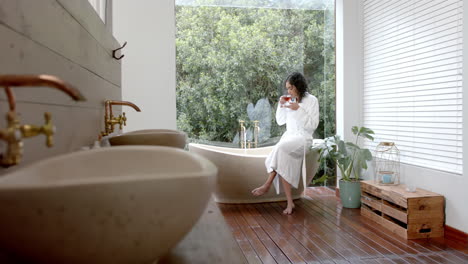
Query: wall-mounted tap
[
  {"x": 12, "y": 136},
  {"x": 48, "y": 129},
  {"x": 40, "y": 81},
  {"x": 110, "y": 120},
  {"x": 14, "y": 132}
]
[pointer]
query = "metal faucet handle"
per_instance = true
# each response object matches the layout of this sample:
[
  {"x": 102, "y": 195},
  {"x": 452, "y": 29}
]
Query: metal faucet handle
[
  {"x": 49, "y": 129},
  {"x": 122, "y": 120}
]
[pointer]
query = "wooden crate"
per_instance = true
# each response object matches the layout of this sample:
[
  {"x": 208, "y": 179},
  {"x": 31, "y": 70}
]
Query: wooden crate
[{"x": 413, "y": 215}]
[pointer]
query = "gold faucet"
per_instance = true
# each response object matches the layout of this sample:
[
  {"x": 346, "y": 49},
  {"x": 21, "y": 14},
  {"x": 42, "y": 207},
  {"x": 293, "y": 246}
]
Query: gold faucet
[
  {"x": 12, "y": 136},
  {"x": 255, "y": 133},
  {"x": 14, "y": 132},
  {"x": 242, "y": 134},
  {"x": 110, "y": 120},
  {"x": 48, "y": 130}
]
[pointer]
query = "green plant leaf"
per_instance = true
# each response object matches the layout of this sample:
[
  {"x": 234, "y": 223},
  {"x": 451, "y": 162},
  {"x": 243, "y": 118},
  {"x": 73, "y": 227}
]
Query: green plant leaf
[
  {"x": 349, "y": 157},
  {"x": 368, "y": 130},
  {"x": 361, "y": 161},
  {"x": 342, "y": 147},
  {"x": 366, "y": 154},
  {"x": 352, "y": 145},
  {"x": 321, "y": 179}
]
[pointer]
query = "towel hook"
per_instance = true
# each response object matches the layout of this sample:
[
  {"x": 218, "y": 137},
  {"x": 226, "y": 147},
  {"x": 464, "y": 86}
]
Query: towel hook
[{"x": 114, "y": 51}]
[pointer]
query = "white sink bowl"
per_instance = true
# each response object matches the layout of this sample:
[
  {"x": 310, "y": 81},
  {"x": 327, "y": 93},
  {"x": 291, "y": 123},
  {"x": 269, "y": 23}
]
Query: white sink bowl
[
  {"x": 114, "y": 205},
  {"x": 155, "y": 137}
]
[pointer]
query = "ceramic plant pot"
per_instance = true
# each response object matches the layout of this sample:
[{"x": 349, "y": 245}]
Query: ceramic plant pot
[{"x": 350, "y": 194}]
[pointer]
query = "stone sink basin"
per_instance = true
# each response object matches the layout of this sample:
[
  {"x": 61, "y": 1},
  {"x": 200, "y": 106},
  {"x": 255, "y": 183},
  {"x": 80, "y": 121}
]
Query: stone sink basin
[
  {"x": 127, "y": 204},
  {"x": 156, "y": 137}
]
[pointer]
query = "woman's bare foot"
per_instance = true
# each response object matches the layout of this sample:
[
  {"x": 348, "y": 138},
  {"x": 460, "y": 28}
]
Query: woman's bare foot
[
  {"x": 266, "y": 186},
  {"x": 289, "y": 209},
  {"x": 260, "y": 190}
]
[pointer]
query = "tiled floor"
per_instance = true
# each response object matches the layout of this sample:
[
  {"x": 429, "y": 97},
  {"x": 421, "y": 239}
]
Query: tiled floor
[{"x": 321, "y": 231}]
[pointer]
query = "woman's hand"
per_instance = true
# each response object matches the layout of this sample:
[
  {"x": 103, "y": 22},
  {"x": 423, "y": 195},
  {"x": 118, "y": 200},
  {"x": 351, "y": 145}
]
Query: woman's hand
[
  {"x": 282, "y": 101},
  {"x": 292, "y": 106}
]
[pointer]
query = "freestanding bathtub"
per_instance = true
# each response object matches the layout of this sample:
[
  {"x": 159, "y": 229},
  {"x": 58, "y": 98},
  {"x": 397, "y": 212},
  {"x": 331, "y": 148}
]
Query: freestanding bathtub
[{"x": 242, "y": 170}]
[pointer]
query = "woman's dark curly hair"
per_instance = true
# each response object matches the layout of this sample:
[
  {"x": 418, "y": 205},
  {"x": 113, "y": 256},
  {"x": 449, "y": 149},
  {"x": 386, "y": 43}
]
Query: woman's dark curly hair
[{"x": 299, "y": 81}]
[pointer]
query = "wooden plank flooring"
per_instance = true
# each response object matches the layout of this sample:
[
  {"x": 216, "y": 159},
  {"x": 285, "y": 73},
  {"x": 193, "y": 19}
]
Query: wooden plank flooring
[{"x": 321, "y": 231}]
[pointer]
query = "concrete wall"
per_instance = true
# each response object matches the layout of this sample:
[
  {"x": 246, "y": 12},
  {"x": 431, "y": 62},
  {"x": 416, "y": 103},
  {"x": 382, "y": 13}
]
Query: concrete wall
[
  {"x": 349, "y": 80},
  {"x": 148, "y": 69},
  {"x": 65, "y": 38}
]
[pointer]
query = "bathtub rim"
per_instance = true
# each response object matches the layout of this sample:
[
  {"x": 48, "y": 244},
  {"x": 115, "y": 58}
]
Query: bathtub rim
[{"x": 218, "y": 149}]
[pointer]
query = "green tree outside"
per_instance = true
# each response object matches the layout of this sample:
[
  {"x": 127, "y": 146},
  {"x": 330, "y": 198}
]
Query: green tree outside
[{"x": 229, "y": 57}]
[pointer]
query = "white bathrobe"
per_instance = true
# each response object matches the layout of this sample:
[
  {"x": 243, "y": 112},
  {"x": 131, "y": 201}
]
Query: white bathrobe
[{"x": 287, "y": 156}]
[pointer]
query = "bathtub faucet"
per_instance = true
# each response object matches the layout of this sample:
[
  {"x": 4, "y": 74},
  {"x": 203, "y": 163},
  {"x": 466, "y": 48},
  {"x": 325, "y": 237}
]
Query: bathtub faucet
[
  {"x": 243, "y": 142},
  {"x": 242, "y": 134},
  {"x": 255, "y": 133}
]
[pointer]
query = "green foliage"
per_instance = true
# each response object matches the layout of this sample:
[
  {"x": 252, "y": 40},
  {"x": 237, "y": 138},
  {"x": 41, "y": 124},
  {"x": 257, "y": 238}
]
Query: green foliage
[
  {"x": 347, "y": 156},
  {"x": 229, "y": 57}
]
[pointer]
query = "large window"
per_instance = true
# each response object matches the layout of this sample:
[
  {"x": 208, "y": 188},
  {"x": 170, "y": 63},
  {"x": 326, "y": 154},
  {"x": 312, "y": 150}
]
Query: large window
[
  {"x": 232, "y": 59},
  {"x": 413, "y": 79}
]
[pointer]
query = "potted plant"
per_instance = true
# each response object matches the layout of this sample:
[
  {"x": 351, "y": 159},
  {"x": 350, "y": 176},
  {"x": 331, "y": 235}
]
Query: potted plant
[{"x": 350, "y": 160}]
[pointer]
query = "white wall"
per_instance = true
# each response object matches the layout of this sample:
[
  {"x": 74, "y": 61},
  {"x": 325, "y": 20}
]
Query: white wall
[
  {"x": 349, "y": 80},
  {"x": 348, "y": 66},
  {"x": 462, "y": 210},
  {"x": 65, "y": 38},
  {"x": 148, "y": 68}
]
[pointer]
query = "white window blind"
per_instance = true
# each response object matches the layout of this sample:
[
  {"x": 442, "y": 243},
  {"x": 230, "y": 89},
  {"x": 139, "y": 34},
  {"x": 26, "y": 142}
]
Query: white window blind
[{"x": 412, "y": 92}]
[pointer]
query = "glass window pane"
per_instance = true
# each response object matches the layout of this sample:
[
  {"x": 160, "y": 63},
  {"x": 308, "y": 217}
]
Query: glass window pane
[{"x": 232, "y": 57}]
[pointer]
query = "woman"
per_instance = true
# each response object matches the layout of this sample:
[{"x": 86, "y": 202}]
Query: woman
[{"x": 301, "y": 118}]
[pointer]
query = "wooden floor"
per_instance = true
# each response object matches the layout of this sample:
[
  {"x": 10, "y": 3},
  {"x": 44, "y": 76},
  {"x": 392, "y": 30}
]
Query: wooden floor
[{"x": 321, "y": 231}]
